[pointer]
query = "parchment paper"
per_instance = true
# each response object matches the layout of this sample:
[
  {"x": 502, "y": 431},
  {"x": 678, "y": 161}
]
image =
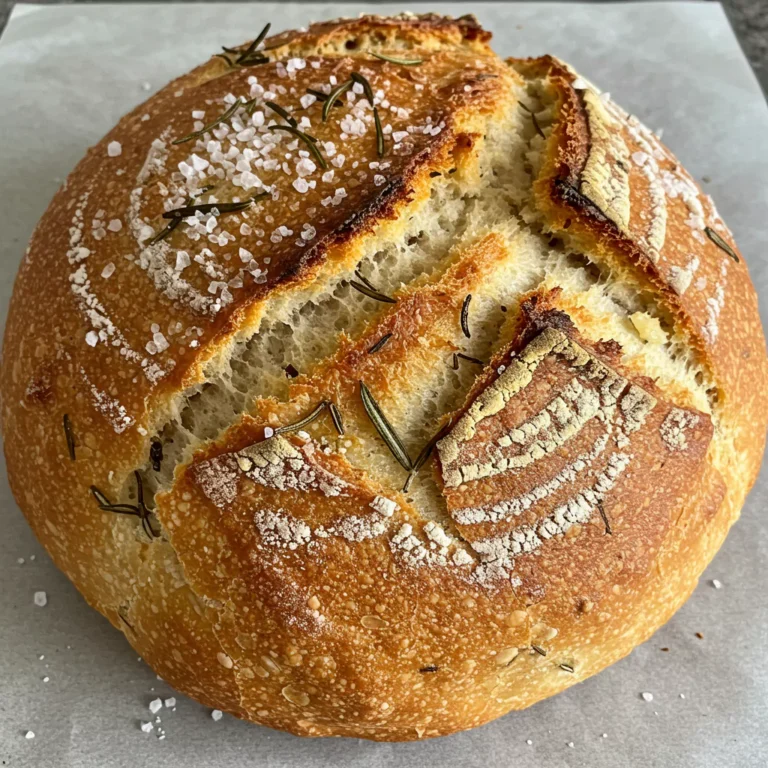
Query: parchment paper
[{"x": 67, "y": 73}]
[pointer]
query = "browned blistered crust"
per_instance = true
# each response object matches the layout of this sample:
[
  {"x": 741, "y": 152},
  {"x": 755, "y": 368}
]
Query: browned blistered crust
[{"x": 331, "y": 606}]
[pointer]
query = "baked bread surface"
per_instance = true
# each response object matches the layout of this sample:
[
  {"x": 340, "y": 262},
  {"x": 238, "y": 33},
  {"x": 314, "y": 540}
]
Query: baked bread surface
[{"x": 524, "y": 290}]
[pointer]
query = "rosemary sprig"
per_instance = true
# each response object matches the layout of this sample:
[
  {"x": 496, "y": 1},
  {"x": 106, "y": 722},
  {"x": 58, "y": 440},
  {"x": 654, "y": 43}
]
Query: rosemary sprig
[
  {"x": 720, "y": 243},
  {"x": 566, "y": 668},
  {"x": 333, "y": 95},
  {"x": 384, "y": 428},
  {"x": 251, "y": 52},
  {"x": 539, "y": 650},
  {"x": 338, "y": 422},
  {"x": 600, "y": 509},
  {"x": 533, "y": 118},
  {"x": 156, "y": 454},
  {"x": 70, "y": 436},
  {"x": 301, "y": 423},
  {"x": 393, "y": 60},
  {"x": 282, "y": 112},
  {"x": 380, "y": 149},
  {"x": 226, "y": 58},
  {"x": 379, "y": 344},
  {"x": 220, "y": 119},
  {"x": 426, "y": 452},
  {"x": 290, "y": 371},
  {"x": 465, "y": 316},
  {"x": 367, "y": 90},
  {"x": 429, "y": 668},
  {"x": 310, "y": 141}
]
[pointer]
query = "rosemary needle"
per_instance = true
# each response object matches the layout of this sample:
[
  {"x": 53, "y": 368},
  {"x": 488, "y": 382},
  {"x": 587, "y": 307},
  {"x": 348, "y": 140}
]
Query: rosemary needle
[
  {"x": 310, "y": 141},
  {"x": 333, "y": 95},
  {"x": 379, "y": 133},
  {"x": 384, "y": 428},
  {"x": 465, "y": 316},
  {"x": 301, "y": 423},
  {"x": 380, "y": 343},
  {"x": 70, "y": 436},
  {"x": 338, "y": 422},
  {"x": 393, "y": 60},
  {"x": 220, "y": 119},
  {"x": 282, "y": 112},
  {"x": 720, "y": 243},
  {"x": 251, "y": 50}
]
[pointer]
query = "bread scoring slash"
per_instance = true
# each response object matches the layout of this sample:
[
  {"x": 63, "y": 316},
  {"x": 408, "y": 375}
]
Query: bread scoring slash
[{"x": 391, "y": 386}]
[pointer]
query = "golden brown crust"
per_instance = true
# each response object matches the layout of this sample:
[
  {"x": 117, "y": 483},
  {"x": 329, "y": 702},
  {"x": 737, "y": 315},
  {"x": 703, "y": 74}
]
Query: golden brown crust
[{"x": 286, "y": 577}]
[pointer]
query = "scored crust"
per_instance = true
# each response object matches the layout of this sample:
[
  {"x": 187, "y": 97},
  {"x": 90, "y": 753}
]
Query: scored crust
[{"x": 596, "y": 423}]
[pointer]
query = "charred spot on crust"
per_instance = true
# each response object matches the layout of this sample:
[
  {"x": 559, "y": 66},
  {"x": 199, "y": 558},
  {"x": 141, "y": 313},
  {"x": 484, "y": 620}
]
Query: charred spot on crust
[
  {"x": 567, "y": 194},
  {"x": 537, "y": 313}
]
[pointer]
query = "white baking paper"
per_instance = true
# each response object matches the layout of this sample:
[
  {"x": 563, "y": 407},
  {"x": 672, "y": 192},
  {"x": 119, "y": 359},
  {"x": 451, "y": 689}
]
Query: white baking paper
[{"x": 67, "y": 73}]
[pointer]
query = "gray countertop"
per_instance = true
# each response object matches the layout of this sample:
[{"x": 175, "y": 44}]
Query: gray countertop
[
  {"x": 67, "y": 676},
  {"x": 749, "y": 19}
]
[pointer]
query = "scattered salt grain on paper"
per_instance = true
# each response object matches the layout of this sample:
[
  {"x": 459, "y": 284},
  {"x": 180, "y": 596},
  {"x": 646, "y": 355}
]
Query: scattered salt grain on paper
[
  {"x": 647, "y": 696},
  {"x": 717, "y": 584},
  {"x": 41, "y": 599},
  {"x": 155, "y": 706},
  {"x": 216, "y": 715},
  {"x": 29, "y": 735},
  {"x": 147, "y": 727}
]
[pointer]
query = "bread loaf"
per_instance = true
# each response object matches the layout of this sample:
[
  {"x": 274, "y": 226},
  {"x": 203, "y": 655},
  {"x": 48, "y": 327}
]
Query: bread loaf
[{"x": 374, "y": 386}]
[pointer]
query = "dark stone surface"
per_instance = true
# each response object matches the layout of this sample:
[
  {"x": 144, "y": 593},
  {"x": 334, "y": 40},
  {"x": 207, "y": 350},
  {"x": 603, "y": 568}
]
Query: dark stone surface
[{"x": 749, "y": 19}]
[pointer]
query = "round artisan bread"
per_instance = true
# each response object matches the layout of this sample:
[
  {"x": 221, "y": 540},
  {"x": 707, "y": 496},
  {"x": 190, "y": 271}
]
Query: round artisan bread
[{"x": 384, "y": 412}]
